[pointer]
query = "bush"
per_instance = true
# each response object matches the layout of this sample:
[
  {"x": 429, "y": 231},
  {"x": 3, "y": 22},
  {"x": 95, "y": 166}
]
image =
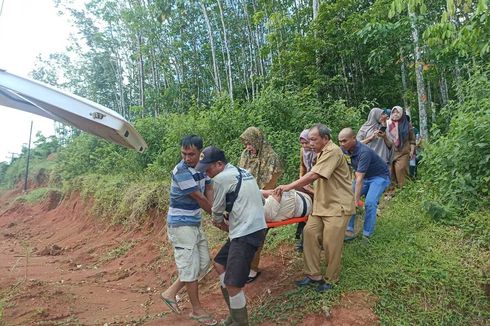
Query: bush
[
  {"x": 281, "y": 115},
  {"x": 455, "y": 164}
]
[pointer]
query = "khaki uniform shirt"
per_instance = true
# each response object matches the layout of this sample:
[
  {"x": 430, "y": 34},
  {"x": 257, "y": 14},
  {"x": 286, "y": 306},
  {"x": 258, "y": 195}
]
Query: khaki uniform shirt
[{"x": 333, "y": 190}]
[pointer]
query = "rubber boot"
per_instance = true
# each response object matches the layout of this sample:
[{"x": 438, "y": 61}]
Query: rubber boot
[
  {"x": 239, "y": 316},
  {"x": 228, "y": 321}
]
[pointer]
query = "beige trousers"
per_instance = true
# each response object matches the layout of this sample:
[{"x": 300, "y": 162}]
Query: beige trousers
[
  {"x": 327, "y": 232},
  {"x": 400, "y": 169}
]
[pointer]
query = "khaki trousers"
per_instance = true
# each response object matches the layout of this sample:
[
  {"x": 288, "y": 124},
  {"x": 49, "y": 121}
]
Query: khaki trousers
[
  {"x": 400, "y": 169},
  {"x": 327, "y": 232}
]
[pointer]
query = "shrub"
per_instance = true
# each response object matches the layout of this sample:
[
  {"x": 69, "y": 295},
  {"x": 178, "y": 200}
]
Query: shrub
[{"x": 455, "y": 164}]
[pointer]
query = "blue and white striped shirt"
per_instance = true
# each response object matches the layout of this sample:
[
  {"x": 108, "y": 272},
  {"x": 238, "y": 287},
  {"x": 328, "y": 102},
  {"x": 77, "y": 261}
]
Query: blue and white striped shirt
[{"x": 183, "y": 209}]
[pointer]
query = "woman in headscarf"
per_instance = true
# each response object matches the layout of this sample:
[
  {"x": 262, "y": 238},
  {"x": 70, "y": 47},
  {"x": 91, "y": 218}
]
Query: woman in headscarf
[
  {"x": 259, "y": 158},
  {"x": 373, "y": 134},
  {"x": 401, "y": 133},
  {"x": 307, "y": 157},
  {"x": 307, "y": 154},
  {"x": 264, "y": 164}
]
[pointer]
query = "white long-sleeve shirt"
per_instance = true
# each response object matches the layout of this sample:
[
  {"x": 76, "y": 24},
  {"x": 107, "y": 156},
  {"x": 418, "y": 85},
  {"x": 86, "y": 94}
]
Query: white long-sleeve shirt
[{"x": 291, "y": 205}]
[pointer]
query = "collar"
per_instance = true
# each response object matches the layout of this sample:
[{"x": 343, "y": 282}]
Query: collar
[{"x": 356, "y": 150}]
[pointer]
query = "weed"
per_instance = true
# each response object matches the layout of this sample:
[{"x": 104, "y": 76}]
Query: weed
[
  {"x": 35, "y": 195},
  {"x": 119, "y": 251}
]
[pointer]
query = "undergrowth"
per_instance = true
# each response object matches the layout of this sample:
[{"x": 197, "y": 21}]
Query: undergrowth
[
  {"x": 421, "y": 271},
  {"x": 35, "y": 195},
  {"x": 118, "y": 199}
]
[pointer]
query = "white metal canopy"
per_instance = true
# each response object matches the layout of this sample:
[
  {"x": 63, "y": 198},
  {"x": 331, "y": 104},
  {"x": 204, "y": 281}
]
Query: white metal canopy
[{"x": 44, "y": 100}]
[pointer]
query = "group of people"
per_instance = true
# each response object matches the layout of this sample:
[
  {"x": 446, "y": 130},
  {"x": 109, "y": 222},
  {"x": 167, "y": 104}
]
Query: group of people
[{"x": 241, "y": 199}]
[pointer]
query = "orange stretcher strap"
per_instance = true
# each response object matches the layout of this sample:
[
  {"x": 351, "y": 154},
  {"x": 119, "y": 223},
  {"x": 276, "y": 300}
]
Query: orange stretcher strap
[{"x": 286, "y": 222}]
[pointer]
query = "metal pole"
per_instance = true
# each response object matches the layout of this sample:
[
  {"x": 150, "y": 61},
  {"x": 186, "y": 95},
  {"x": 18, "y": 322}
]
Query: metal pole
[{"x": 28, "y": 157}]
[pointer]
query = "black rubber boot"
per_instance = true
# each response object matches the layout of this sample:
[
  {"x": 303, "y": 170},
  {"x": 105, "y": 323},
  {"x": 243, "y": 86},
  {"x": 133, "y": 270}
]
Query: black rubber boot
[
  {"x": 239, "y": 316},
  {"x": 228, "y": 321}
]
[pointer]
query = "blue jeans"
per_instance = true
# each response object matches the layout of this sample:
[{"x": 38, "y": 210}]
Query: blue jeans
[{"x": 372, "y": 188}]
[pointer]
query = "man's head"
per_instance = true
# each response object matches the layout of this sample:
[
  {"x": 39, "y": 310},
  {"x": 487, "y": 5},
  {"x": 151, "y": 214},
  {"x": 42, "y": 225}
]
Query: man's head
[
  {"x": 212, "y": 161},
  {"x": 347, "y": 139},
  {"x": 190, "y": 148},
  {"x": 319, "y": 136}
]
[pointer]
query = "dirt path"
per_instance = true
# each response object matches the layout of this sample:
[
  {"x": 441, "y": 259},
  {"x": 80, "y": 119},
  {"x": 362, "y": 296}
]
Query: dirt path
[{"x": 81, "y": 272}]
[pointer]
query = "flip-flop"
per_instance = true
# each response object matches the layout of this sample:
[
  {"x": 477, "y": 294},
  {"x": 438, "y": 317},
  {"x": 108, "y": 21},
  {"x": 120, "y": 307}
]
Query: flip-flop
[
  {"x": 171, "y": 304},
  {"x": 250, "y": 279},
  {"x": 206, "y": 320}
]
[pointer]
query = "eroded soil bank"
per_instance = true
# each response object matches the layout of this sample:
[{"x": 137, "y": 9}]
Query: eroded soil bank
[{"x": 61, "y": 266}]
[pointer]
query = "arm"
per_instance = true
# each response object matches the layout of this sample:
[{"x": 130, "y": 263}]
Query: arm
[
  {"x": 307, "y": 179},
  {"x": 219, "y": 203},
  {"x": 201, "y": 200},
  {"x": 369, "y": 139},
  {"x": 209, "y": 193},
  {"x": 358, "y": 187},
  {"x": 386, "y": 139},
  {"x": 412, "y": 140}
]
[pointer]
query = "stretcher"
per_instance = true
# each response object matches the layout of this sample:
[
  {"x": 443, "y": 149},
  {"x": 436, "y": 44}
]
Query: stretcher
[{"x": 293, "y": 220}]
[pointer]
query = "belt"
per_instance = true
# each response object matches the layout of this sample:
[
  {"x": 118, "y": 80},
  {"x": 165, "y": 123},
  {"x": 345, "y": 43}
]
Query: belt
[{"x": 303, "y": 199}]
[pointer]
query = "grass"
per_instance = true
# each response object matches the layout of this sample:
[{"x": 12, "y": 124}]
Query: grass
[
  {"x": 36, "y": 195},
  {"x": 119, "y": 251},
  {"x": 422, "y": 272}
]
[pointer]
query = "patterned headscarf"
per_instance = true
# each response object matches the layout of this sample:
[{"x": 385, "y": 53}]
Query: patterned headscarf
[
  {"x": 265, "y": 163},
  {"x": 398, "y": 129},
  {"x": 309, "y": 156}
]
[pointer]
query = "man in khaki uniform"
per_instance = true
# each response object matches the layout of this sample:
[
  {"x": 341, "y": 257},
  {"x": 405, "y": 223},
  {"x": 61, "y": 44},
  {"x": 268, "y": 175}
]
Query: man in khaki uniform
[{"x": 332, "y": 207}]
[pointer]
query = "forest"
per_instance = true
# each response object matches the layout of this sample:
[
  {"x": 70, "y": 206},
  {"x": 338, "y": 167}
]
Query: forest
[{"x": 216, "y": 67}]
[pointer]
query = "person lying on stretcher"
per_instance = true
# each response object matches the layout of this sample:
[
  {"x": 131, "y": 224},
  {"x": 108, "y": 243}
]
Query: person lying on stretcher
[{"x": 292, "y": 204}]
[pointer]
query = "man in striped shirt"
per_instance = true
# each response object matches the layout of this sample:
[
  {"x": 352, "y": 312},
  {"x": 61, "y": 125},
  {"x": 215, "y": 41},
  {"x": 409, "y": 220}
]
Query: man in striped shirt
[{"x": 190, "y": 191}]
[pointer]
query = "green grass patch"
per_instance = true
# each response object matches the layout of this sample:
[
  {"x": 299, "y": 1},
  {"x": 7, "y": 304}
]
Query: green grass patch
[
  {"x": 35, "y": 195},
  {"x": 422, "y": 272}
]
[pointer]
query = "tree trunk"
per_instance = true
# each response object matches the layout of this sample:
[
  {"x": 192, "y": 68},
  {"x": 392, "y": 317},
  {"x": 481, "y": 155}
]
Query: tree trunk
[
  {"x": 141, "y": 74},
  {"x": 443, "y": 89},
  {"x": 217, "y": 82},
  {"x": 316, "y": 7},
  {"x": 459, "y": 81},
  {"x": 430, "y": 107},
  {"x": 404, "y": 78},
  {"x": 225, "y": 40},
  {"x": 419, "y": 74}
]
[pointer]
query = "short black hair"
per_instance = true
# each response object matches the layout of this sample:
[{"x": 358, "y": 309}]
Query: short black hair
[
  {"x": 191, "y": 141},
  {"x": 323, "y": 130}
]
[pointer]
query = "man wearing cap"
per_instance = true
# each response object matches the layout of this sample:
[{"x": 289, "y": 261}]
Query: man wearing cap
[
  {"x": 371, "y": 179},
  {"x": 332, "y": 207},
  {"x": 190, "y": 191},
  {"x": 238, "y": 209}
]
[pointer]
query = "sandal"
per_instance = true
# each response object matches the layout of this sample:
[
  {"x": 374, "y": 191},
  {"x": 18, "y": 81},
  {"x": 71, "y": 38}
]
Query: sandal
[
  {"x": 250, "y": 279},
  {"x": 206, "y": 320},
  {"x": 171, "y": 304},
  {"x": 349, "y": 236}
]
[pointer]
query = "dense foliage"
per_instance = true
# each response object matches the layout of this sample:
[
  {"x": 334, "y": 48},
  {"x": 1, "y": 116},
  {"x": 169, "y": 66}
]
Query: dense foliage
[
  {"x": 455, "y": 165},
  {"x": 282, "y": 116}
]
